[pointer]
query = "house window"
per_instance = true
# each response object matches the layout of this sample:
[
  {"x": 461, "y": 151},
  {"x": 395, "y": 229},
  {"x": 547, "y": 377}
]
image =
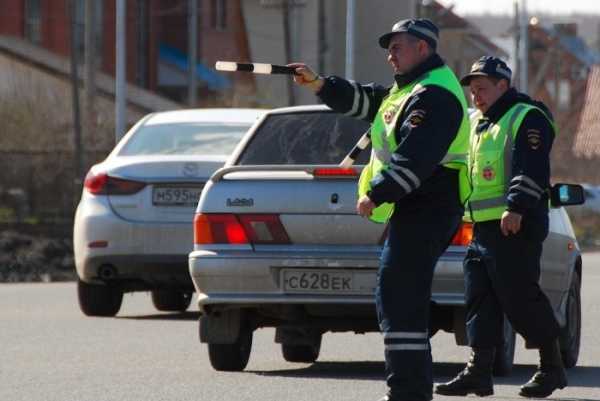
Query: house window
[
  {"x": 33, "y": 21},
  {"x": 219, "y": 14}
]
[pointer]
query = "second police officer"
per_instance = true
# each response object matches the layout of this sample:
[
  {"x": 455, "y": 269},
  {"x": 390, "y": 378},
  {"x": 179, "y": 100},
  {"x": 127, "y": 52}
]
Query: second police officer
[
  {"x": 509, "y": 166},
  {"x": 419, "y": 135}
]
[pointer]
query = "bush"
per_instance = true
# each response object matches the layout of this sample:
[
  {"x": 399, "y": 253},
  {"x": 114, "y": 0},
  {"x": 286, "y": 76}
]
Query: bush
[{"x": 31, "y": 258}]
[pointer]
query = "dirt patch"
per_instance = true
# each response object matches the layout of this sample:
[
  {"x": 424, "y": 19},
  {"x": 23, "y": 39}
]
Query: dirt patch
[{"x": 25, "y": 257}]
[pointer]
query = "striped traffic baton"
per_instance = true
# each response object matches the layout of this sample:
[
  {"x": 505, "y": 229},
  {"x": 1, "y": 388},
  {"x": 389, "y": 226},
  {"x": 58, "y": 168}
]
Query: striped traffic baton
[
  {"x": 361, "y": 145},
  {"x": 256, "y": 68}
]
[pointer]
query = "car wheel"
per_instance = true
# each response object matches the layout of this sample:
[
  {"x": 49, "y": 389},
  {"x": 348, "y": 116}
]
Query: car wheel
[
  {"x": 301, "y": 353},
  {"x": 570, "y": 337},
  {"x": 171, "y": 300},
  {"x": 232, "y": 357},
  {"x": 504, "y": 357},
  {"x": 99, "y": 299}
]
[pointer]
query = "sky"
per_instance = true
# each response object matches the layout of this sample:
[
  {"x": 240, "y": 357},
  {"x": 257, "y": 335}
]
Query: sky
[{"x": 465, "y": 7}]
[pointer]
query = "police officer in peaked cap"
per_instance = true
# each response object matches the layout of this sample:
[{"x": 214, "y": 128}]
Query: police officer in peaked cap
[
  {"x": 509, "y": 164},
  {"x": 415, "y": 180}
]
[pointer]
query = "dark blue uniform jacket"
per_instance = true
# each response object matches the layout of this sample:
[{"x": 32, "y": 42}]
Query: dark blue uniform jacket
[{"x": 425, "y": 129}]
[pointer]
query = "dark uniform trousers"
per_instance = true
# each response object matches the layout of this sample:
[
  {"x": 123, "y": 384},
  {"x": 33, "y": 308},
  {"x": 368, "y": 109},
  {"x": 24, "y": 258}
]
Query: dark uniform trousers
[
  {"x": 501, "y": 277},
  {"x": 403, "y": 297}
]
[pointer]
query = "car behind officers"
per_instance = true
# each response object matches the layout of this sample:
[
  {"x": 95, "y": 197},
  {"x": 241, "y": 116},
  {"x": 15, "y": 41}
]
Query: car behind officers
[
  {"x": 510, "y": 172},
  {"x": 419, "y": 135}
]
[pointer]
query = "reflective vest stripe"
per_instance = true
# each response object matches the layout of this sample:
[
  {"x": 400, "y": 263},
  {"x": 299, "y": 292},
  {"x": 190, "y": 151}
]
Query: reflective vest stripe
[
  {"x": 454, "y": 157},
  {"x": 488, "y": 203},
  {"x": 409, "y": 174},
  {"x": 403, "y": 183},
  {"x": 406, "y": 335},
  {"x": 365, "y": 106},
  {"x": 509, "y": 145},
  {"x": 407, "y": 347},
  {"x": 356, "y": 100}
]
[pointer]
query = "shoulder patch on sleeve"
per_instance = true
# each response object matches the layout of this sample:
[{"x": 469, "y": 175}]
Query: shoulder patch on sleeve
[
  {"x": 534, "y": 138},
  {"x": 416, "y": 117}
]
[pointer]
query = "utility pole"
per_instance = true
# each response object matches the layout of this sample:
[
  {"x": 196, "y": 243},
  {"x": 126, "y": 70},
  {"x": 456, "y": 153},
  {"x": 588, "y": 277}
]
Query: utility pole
[
  {"x": 192, "y": 51},
  {"x": 120, "y": 80},
  {"x": 77, "y": 160},
  {"x": 524, "y": 28},
  {"x": 517, "y": 41},
  {"x": 285, "y": 8},
  {"x": 322, "y": 38},
  {"x": 90, "y": 72},
  {"x": 350, "y": 29}
]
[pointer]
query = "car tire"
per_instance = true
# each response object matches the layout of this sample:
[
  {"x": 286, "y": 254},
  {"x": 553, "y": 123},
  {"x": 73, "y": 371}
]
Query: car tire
[
  {"x": 570, "y": 337},
  {"x": 99, "y": 299},
  {"x": 301, "y": 353},
  {"x": 232, "y": 357},
  {"x": 171, "y": 300},
  {"x": 504, "y": 357}
]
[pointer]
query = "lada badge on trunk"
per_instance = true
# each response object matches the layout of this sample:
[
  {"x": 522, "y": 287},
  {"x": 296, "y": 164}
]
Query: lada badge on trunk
[{"x": 240, "y": 202}]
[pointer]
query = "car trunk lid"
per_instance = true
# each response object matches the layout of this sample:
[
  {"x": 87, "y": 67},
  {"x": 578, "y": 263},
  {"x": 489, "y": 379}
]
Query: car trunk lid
[{"x": 173, "y": 187}]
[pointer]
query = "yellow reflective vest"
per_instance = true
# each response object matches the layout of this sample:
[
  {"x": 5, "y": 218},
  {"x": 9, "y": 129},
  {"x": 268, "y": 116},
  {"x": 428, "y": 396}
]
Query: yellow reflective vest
[
  {"x": 490, "y": 163},
  {"x": 383, "y": 138}
]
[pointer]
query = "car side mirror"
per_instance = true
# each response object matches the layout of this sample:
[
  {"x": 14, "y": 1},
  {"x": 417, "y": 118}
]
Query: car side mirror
[{"x": 566, "y": 195}]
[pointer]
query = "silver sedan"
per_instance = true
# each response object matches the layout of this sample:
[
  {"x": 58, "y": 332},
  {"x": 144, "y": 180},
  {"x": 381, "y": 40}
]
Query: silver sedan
[
  {"x": 278, "y": 244},
  {"x": 133, "y": 224}
]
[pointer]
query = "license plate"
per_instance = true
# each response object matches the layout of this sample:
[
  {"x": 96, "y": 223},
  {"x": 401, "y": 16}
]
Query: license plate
[
  {"x": 176, "y": 196},
  {"x": 328, "y": 281}
]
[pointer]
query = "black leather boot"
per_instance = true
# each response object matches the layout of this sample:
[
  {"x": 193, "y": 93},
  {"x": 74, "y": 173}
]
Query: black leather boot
[
  {"x": 476, "y": 378},
  {"x": 550, "y": 375}
]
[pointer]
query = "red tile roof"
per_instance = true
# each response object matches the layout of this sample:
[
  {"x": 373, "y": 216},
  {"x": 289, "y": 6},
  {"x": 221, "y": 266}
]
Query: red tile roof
[{"x": 587, "y": 137}]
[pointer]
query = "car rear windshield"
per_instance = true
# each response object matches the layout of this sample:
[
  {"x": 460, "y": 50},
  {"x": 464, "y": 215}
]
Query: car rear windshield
[
  {"x": 184, "y": 139},
  {"x": 304, "y": 138}
]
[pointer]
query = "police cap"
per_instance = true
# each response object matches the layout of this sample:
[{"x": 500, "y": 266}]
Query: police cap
[
  {"x": 421, "y": 28},
  {"x": 488, "y": 67}
]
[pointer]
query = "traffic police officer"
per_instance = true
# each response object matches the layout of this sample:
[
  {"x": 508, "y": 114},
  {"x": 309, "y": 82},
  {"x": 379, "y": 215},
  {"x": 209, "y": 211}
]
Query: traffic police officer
[
  {"x": 419, "y": 138},
  {"x": 509, "y": 168}
]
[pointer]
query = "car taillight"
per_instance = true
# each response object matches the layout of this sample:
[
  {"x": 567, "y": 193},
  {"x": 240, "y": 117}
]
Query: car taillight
[
  {"x": 218, "y": 229},
  {"x": 104, "y": 184},
  {"x": 335, "y": 172},
  {"x": 463, "y": 235},
  {"x": 239, "y": 229},
  {"x": 264, "y": 229}
]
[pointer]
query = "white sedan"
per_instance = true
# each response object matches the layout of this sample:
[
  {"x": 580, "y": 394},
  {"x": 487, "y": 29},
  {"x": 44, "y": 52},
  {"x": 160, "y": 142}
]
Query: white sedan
[{"x": 133, "y": 225}]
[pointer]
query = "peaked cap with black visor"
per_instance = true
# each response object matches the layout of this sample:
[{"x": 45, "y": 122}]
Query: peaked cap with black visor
[
  {"x": 488, "y": 66},
  {"x": 421, "y": 28}
]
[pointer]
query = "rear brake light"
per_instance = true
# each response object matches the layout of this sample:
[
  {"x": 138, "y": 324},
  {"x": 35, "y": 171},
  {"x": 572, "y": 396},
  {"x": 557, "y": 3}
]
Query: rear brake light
[
  {"x": 239, "y": 229},
  {"x": 218, "y": 229},
  {"x": 104, "y": 184},
  {"x": 463, "y": 235},
  {"x": 335, "y": 172},
  {"x": 264, "y": 229}
]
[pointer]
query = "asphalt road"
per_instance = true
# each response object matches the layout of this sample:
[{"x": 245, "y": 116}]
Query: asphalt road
[{"x": 50, "y": 351}]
